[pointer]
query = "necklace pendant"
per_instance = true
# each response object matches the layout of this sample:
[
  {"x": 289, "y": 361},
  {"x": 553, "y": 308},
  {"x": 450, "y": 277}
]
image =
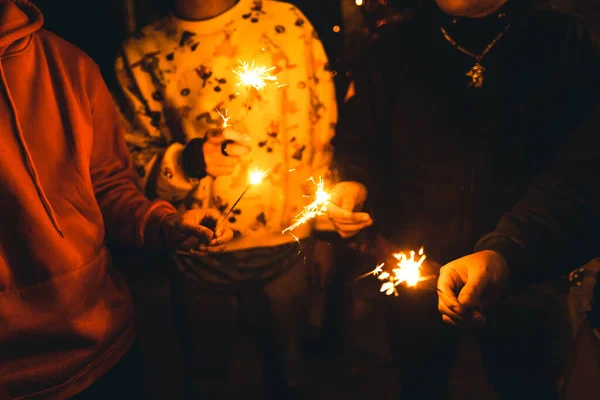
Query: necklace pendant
[{"x": 476, "y": 75}]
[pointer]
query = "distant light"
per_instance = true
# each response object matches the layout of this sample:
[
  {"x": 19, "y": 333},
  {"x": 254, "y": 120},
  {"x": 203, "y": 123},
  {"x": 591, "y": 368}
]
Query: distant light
[
  {"x": 359, "y": 2},
  {"x": 336, "y": 29}
]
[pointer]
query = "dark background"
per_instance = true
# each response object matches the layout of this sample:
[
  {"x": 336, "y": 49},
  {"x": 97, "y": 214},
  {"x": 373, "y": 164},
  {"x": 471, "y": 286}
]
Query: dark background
[{"x": 98, "y": 27}]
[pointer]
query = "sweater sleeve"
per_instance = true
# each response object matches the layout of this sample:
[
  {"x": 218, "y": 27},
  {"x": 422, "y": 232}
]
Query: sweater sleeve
[
  {"x": 129, "y": 217},
  {"x": 157, "y": 157},
  {"x": 555, "y": 228}
]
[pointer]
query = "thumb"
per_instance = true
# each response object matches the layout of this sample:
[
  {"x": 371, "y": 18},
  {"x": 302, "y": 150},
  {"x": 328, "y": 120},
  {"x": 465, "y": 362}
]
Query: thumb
[
  {"x": 348, "y": 203},
  {"x": 236, "y": 149},
  {"x": 470, "y": 295},
  {"x": 192, "y": 230}
]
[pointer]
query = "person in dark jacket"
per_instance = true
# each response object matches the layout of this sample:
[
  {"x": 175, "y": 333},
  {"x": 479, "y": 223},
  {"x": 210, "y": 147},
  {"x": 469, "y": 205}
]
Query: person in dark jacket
[{"x": 454, "y": 114}]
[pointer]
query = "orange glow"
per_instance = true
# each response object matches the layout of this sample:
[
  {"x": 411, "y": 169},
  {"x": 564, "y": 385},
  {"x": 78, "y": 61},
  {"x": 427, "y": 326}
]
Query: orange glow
[
  {"x": 336, "y": 29},
  {"x": 359, "y": 2},
  {"x": 317, "y": 207}
]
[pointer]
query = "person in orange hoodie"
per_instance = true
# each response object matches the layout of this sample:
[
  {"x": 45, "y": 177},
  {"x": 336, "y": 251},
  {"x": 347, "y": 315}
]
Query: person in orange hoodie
[{"x": 66, "y": 185}]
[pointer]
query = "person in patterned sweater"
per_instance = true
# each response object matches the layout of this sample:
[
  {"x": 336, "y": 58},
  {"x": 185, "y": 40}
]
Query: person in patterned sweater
[{"x": 178, "y": 79}]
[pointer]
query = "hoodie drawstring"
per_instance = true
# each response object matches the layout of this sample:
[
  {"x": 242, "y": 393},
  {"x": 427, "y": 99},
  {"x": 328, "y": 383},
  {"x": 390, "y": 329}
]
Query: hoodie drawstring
[{"x": 28, "y": 159}]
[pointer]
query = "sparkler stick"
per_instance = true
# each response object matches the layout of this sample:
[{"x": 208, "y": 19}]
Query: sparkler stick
[
  {"x": 255, "y": 177},
  {"x": 408, "y": 271}
]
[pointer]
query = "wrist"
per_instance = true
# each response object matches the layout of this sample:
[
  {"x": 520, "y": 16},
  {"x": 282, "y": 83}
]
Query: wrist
[
  {"x": 511, "y": 255},
  {"x": 192, "y": 159}
]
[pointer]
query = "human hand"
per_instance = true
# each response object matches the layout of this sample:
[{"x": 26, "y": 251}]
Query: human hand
[
  {"x": 222, "y": 149},
  {"x": 195, "y": 230},
  {"x": 480, "y": 279},
  {"x": 344, "y": 209}
]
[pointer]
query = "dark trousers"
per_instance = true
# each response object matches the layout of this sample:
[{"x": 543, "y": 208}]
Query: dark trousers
[
  {"x": 524, "y": 344},
  {"x": 272, "y": 314},
  {"x": 123, "y": 381}
]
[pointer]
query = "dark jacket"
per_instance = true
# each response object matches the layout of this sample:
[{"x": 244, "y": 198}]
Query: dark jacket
[{"x": 444, "y": 161}]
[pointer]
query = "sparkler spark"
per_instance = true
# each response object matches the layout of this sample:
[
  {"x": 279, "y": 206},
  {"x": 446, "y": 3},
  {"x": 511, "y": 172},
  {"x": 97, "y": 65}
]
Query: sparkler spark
[
  {"x": 254, "y": 76},
  {"x": 408, "y": 271},
  {"x": 255, "y": 177},
  {"x": 225, "y": 118},
  {"x": 316, "y": 208}
]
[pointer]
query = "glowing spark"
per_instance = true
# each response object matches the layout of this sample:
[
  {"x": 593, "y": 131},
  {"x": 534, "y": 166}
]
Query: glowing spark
[
  {"x": 378, "y": 269},
  {"x": 225, "y": 118},
  {"x": 256, "y": 176},
  {"x": 316, "y": 208},
  {"x": 256, "y": 77},
  {"x": 291, "y": 170},
  {"x": 408, "y": 271}
]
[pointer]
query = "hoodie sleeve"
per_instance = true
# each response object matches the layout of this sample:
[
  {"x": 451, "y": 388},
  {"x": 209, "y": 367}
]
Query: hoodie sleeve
[
  {"x": 555, "y": 228},
  {"x": 156, "y": 157},
  {"x": 129, "y": 217}
]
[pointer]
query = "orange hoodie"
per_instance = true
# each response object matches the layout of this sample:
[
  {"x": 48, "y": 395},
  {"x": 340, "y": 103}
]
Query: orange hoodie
[{"x": 65, "y": 181}]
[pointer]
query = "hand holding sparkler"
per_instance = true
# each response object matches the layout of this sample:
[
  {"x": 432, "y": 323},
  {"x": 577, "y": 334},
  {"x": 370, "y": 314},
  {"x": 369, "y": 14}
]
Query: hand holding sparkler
[
  {"x": 346, "y": 201},
  {"x": 479, "y": 279},
  {"x": 194, "y": 231},
  {"x": 217, "y": 154},
  {"x": 255, "y": 177}
]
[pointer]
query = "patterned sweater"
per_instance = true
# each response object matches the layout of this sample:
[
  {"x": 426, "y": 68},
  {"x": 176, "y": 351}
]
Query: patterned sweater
[{"x": 176, "y": 76}]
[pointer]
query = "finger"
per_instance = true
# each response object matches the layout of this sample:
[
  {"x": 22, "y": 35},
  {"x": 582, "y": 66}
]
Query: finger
[
  {"x": 444, "y": 310},
  {"x": 448, "y": 285},
  {"x": 351, "y": 228},
  {"x": 450, "y": 312},
  {"x": 342, "y": 226},
  {"x": 218, "y": 171},
  {"x": 189, "y": 243},
  {"x": 216, "y": 249},
  {"x": 470, "y": 294},
  {"x": 448, "y": 320},
  {"x": 236, "y": 150},
  {"x": 196, "y": 230},
  {"x": 346, "y": 216},
  {"x": 238, "y": 137},
  {"x": 222, "y": 237},
  {"x": 219, "y": 160},
  {"x": 451, "y": 302},
  {"x": 212, "y": 214},
  {"x": 348, "y": 203}
]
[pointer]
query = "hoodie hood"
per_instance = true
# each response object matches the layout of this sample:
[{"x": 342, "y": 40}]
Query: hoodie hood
[
  {"x": 19, "y": 19},
  {"x": 18, "y": 22}
]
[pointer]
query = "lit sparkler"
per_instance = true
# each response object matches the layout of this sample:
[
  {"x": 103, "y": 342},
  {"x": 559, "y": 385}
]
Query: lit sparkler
[
  {"x": 317, "y": 207},
  {"x": 253, "y": 76},
  {"x": 255, "y": 177},
  {"x": 408, "y": 271}
]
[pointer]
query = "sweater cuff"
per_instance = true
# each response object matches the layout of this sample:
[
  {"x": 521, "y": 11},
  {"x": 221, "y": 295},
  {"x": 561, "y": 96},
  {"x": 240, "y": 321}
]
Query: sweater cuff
[
  {"x": 515, "y": 254},
  {"x": 152, "y": 238},
  {"x": 192, "y": 159}
]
